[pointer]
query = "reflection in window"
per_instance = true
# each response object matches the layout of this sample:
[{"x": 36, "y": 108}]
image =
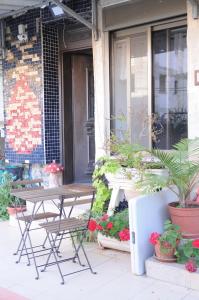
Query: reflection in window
[
  {"x": 130, "y": 88},
  {"x": 169, "y": 86}
]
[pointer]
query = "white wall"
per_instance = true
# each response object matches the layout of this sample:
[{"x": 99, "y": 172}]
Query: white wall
[
  {"x": 102, "y": 96},
  {"x": 193, "y": 64}
]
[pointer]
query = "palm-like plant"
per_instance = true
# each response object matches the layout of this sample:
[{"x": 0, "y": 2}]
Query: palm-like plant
[{"x": 183, "y": 170}]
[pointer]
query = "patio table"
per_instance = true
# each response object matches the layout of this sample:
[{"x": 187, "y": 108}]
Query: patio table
[{"x": 38, "y": 198}]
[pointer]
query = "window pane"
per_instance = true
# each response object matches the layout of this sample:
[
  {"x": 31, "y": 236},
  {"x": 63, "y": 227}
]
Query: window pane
[
  {"x": 169, "y": 87},
  {"x": 139, "y": 90},
  {"x": 119, "y": 105}
]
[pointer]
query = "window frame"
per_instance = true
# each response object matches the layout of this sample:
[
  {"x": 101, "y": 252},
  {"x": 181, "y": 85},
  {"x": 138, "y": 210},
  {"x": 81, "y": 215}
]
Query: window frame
[{"x": 125, "y": 34}]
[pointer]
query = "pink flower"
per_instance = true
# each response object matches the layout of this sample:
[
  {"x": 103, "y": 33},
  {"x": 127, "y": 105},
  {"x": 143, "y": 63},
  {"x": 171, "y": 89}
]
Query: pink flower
[
  {"x": 195, "y": 244},
  {"x": 105, "y": 217},
  {"x": 92, "y": 225},
  {"x": 191, "y": 266},
  {"x": 124, "y": 234},
  {"x": 99, "y": 227},
  {"x": 109, "y": 225},
  {"x": 53, "y": 168},
  {"x": 154, "y": 238}
]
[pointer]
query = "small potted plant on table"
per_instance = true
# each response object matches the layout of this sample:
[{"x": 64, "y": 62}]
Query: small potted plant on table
[
  {"x": 55, "y": 174},
  {"x": 165, "y": 244}
]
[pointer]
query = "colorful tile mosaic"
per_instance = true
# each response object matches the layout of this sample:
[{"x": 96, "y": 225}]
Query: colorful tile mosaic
[{"x": 23, "y": 91}]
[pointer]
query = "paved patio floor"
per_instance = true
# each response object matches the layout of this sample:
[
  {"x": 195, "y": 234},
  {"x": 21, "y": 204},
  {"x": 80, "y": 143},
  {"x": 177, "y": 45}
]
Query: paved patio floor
[{"x": 114, "y": 280}]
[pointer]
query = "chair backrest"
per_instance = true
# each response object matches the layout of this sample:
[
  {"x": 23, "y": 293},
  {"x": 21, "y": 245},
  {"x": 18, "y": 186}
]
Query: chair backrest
[
  {"x": 78, "y": 202},
  {"x": 26, "y": 185}
]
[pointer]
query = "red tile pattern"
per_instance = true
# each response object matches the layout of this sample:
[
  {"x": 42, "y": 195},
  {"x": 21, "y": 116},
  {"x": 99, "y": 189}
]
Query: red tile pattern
[{"x": 23, "y": 118}]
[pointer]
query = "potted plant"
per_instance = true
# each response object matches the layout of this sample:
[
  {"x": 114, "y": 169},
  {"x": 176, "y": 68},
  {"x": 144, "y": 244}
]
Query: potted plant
[
  {"x": 113, "y": 231},
  {"x": 183, "y": 178},
  {"x": 165, "y": 244},
  {"x": 55, "y": 174},
  {"x": 8, "y": 204},
  {"x": 188, "y": 254}
]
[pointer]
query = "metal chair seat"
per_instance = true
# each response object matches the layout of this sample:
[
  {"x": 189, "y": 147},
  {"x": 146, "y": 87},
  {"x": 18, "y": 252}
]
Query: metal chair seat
[
  {"x": 39, "y": 216},
  {"x": 69, "y": 224}
]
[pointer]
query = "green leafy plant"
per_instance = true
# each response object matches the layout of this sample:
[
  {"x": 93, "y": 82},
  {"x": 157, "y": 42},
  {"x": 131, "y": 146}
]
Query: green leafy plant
[
  {"x": 170, "y": 238},
  {"x": 183, "y": 170},
  {"x": 103, "y": 193},
  {"x": 171, "y": 235},
  {"x": 5, "y": 196},
  {"x": 188, "y": 250}
]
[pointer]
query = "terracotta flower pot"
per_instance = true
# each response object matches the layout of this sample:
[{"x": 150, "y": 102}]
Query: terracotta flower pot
[
  {"x": 186, "y": 218},
  {"x": 14, "y": 210},
  {"x": 164, "y": 253}
]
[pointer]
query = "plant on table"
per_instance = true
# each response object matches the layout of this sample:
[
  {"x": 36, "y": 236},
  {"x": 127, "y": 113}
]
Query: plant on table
[
  {"x": 116, "y": 226},
  {"x": 165, "y": 244},
  {"x": 54, "y": 170},
  {"x": 183, "y": 178}
]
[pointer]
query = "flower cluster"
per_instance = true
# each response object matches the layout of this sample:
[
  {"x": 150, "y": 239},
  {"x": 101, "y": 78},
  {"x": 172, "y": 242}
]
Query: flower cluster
[
  {"x": 53, "y": 168},
  {"x": 115, "y": 226},
  {"x": 191, "y": 264},
  {"x": 154, "y": 238},
  {"x": 124, "y": 234}
]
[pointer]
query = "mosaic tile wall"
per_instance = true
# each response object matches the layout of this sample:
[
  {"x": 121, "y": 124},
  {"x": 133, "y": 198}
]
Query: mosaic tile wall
[
  {"x": 23, "y": 91},
  {"x": 51, "y": 93}
]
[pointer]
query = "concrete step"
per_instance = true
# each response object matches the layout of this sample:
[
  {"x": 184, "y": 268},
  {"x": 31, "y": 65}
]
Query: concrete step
[{"x": 172, "y": 273}]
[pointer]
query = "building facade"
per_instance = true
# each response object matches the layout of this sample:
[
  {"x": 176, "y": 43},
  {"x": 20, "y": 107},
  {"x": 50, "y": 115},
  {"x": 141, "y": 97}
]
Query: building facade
[{"x": 65, "y": 89}]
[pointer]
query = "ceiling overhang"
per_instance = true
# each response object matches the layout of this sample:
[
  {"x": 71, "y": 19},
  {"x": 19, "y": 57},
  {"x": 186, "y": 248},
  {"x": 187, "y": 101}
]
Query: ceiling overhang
[
  {"x": 109, "y": 3},
  {"x": 13, "y": 7}
]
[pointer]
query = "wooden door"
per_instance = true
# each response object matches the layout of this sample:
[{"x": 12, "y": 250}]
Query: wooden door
[{"x": 83, "y": 117}]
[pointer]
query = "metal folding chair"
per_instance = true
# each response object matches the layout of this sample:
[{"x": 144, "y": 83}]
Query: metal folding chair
[
  {"x": 68, "y": 227},
  {"x": 22, "y": 249}
]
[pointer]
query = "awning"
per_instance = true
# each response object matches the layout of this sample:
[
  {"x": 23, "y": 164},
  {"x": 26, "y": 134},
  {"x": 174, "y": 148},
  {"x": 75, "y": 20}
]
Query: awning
[{"x": 12, "y": 7}]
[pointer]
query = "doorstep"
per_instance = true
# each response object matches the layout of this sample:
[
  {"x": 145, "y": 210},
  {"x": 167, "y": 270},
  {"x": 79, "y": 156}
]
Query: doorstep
[{"x": 173, "y": 273}]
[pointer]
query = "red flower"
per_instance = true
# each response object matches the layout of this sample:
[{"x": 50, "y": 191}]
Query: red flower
[
  {"x": 92, "y": 225},
  {"x": 53, "y": 168},
  {"x": 105, "y": 217},
  {"x": 99, "y": 227},
  {"x": 124, "y": 234},
  {"x": 154, "y": 238},
  {"x": 109, "y": 225},
  {"x": 191, "y": 266},
  {"x": 195, "y": 244}
]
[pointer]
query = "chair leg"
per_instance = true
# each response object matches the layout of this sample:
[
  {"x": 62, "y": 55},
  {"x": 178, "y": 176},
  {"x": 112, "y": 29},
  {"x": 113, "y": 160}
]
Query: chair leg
[
  {"x": 53, "y": 252},
  {"x": 76, "y": 253},
  {"x": 24, "y": 239},
  {"x": 33, "y": 255},
  {"x": 81, "y": 246}
]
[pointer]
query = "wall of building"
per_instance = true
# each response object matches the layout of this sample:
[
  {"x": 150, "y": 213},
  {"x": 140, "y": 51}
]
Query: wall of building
[
  {"x": 193, "y": 67},
  {"x": 31, "y": 91},
  {"x": 119, "y": 17},
  {"x": 51, "y": 93},
  {"x": 23, "y": 91},
  {"x": 141, "y": 12}
]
